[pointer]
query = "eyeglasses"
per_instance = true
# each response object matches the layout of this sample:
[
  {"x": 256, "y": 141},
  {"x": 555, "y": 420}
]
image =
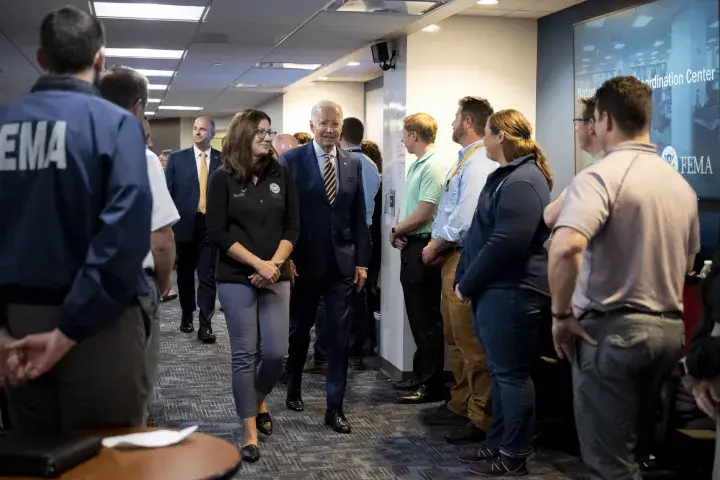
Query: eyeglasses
[
  {"x": 260, "y": 133},
  {"x": 582, "y": 120}
]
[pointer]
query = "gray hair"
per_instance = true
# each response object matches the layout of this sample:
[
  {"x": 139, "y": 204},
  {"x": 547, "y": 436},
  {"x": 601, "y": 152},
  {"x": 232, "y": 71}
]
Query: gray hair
[{"x": 325, "y": 104}]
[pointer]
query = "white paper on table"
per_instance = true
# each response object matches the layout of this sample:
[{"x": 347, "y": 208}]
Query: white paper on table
[{"x": 153, "y": 439}]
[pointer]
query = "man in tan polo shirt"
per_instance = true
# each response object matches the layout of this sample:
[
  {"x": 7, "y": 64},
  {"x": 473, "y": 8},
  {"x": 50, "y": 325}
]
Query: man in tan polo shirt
[{"x": 627, "y": 234}]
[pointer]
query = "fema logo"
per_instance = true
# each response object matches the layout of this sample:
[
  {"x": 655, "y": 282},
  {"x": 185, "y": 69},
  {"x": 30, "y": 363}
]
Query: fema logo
[
  {"x": 275, "y": 188},
  {"x": 670, "y": 156}
]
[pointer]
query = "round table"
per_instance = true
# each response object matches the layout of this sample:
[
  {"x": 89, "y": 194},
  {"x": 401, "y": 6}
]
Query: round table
[{"x": 200, "y": 456}]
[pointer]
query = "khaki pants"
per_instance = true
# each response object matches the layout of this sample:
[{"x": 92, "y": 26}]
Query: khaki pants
[
  {"x": 470, "y": 395},
  {"x": 102, "y": 382}
]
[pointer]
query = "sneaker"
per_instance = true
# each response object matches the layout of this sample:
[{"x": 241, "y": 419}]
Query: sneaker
[
  {"x": 483, "y": 452},
  {"x": 500, "y": 467}
]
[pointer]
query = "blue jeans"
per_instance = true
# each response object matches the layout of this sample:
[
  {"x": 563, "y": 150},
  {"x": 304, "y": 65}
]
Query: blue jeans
[{"x": 507, "y": 323}]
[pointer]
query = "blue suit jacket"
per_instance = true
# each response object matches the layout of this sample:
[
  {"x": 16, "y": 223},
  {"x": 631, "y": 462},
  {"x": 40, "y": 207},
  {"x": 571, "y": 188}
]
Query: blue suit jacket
[
  {"x": 338, "y": 230},
  {"x": 184, "y": 186}
]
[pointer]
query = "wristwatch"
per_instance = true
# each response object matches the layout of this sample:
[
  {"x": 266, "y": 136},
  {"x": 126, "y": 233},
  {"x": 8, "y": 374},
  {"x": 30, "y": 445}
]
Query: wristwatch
[
  {"x": 393, "y": 230},
  {"x": 563, "y": 316}
]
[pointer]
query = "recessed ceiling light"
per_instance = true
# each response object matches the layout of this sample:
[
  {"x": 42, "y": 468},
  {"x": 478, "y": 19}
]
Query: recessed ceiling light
[
  {"x": 658, "y": 43},
  {"x": 487, "y": 2},
  {"x": 295, "y": 66},
  {"x": 148, "y": 11},
  {"x": 431, "y": 29},
  {"x": 619, "y": 46},
  {"x": 149, "y": 114},
  {"x": 155, "y": 73},
  {"x": 609, "y": 57},
  {"x": 589, "y": 48},
  {"x": 217, "y": 64},
  {"x": 323, "y": 78},
  {"x": 175, "y": 107},
  {"x": 154, "y": 100},
  {"x": 144, "y": 53},
  {"x": 641, "y": 21},
  {"x": 157, "y": 87},
  {"x": 353, "y": 64}
]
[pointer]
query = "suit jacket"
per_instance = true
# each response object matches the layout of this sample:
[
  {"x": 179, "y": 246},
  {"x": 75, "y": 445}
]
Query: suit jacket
[
  {"x": 326, "y": 231},
  {"x": 184, "y": 186}
]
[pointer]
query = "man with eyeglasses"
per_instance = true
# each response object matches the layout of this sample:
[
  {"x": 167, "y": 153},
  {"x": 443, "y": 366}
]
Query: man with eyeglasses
[
  {"x": 187, "y": 174},
  {"x": 588, "y": 143}
]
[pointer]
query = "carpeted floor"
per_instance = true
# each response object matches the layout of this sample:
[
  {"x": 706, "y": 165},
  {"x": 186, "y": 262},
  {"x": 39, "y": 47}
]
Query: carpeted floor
[{"x": 388, "y": 440}]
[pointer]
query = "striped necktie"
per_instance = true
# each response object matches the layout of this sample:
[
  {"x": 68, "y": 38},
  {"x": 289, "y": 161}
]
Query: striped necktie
[{"x": 329, "y": 178}]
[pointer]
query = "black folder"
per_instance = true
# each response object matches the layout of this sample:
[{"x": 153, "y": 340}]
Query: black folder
[{"x": 46, "y": 456}]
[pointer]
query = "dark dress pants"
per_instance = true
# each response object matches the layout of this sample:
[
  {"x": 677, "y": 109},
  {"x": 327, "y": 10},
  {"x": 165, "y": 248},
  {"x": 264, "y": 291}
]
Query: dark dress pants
[
  {"x": 197, "y": 255},
  {"x": 337, "y": 292},
  {"x": 422, "y": 285},
  {"x": 320, "y": 347}
]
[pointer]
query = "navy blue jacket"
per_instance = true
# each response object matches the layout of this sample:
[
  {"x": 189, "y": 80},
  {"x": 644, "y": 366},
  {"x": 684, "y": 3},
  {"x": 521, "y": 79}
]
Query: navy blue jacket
[
  {"x": 504, "y": 247},
  {"x": 338, "y": 230},
  {"x": 184, "y": 186},
  {"x": 75, "y": 202}
]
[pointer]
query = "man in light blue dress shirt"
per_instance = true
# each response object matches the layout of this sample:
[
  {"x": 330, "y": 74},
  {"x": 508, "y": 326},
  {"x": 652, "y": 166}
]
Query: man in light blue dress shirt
[
  {"x": 469, "y": 405},
  {"x": 353, "y": 132}
]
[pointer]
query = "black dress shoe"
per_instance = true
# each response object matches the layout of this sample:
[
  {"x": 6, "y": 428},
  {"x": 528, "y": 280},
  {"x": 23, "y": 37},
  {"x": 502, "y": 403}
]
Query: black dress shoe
[
  {"x": 443, "y": 417},
  {"x": 406, "y": 385},
  {"x": 422, "y": 395},
  {"x": 295, "y": 403},
  {"x": 206, "y": 335},
  {"x": 469, "y": 433},
  {"x": 357, "y": 364},
  {"x": 264, "y": 423},
  {"x": 250, "y": 453},
  {"x": 335, "y": 419},
  {"x": 186, "y": 324}
]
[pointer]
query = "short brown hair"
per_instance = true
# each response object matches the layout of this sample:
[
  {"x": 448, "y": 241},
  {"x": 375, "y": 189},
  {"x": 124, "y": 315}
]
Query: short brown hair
[
  {"x": 588, "y": 111},
  {"x": 423, "y": 124},
  {"x": 478, "y": 110},
  {"x": 628, "y": 101},
  {"x": 302, "y": 138},
  {"x": 237, "y": 157},
  {"x": 371, "y": 149}
]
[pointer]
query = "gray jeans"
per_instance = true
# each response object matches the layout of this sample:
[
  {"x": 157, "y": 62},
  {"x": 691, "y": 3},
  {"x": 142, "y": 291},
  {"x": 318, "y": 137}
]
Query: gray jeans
[
  {"x": 251, "y": 313},
  {"x": 616, "y": 386},
  {"x": 150, "y": 304},
  {"x": 102, "y": 382}
]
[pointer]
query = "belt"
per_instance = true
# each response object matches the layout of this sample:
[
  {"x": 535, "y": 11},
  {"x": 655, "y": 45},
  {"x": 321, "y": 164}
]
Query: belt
[
  {"x": 32, "y": 295},
  {"x": 419, "y": 237},
  {"x": 672, "y": 314}
]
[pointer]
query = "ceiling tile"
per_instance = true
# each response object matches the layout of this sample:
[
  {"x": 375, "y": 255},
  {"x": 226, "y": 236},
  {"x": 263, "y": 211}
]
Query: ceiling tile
[{"x": 273, "y": 76}]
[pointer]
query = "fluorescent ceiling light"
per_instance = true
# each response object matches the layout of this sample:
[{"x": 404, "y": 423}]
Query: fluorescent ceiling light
[
  {"x": 596, "y": 23},
  {"x": 407, "y": 7},
  {"x": 148, "y": 11},
  {"x": 609, "y": 57},
  {"x": 144, "y": 53},
  {"x": 658, "y": 43},
  {"x": 619, "y": 46},
  {"x": 155, "y": 73},
  {"x": 157, "y": 87},
  {"x": 154, "y": 100},
  {"x": 294, "y": 66},
  {"x": 431, "y": 29},
  {"x": 323, "y": 78},
  {"x": 487, "y": 2},
  {"x": 589, "y": 48},
  {"x": 149, "y": 114},
  {"x": 353, "y": 64},
  {"x": 175, "y": 107},
  {"x": 641, "y": 21}
]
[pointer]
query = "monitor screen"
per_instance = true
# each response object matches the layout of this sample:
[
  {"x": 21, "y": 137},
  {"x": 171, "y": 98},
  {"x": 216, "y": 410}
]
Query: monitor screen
[{"x": 672, "y": 45}]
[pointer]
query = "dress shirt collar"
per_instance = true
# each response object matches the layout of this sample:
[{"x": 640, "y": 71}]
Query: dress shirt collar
[
  {"x": 320, "y": 152},
  {"x": 197, "y": 152},
  {"x": 464, "y": 150}
]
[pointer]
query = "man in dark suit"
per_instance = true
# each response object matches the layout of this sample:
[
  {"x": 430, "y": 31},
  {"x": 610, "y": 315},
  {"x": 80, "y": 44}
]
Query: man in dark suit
[
  {"x": 187, "y": 174},
  {"x": 330, "y": 257}
]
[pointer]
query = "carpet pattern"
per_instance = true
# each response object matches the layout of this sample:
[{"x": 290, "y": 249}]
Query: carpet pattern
[{"x": 388, "y": 440}]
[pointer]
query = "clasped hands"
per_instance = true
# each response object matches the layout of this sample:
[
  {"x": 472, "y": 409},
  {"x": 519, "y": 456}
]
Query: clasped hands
[
  {"x": 30, "y": 357},
  {"x": 266, "y": 273}
]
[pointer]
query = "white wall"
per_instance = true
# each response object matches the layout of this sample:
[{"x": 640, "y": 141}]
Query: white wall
[
  {"x": 374, "y": 115},
  {"x": 186, "y": 128},
  {"x": 274, "y": 109},
  {"x": 298, "y": 103},
  {"x": 490, "y": 57}
]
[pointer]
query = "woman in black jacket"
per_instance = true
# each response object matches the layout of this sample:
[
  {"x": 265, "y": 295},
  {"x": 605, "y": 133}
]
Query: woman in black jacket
[
  {"x": 702, "y": 363},
  {"x": 503, "y": 270}
]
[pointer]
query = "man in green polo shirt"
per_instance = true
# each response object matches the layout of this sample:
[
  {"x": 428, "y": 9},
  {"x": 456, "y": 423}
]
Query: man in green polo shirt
[{"x": 421, "y": 283}]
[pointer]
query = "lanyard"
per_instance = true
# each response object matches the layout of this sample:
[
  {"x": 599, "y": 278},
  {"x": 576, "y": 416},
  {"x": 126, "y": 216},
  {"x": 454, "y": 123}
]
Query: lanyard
[{"x": 457, "y": 168}]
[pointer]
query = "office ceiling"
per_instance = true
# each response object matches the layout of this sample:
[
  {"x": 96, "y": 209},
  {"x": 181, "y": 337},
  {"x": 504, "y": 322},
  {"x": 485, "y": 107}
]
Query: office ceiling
[{"x": 225, "y": 48}]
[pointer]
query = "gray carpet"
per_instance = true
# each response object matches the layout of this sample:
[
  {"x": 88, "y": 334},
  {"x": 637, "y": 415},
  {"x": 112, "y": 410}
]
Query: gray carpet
[{"x": 388, "y": 440}]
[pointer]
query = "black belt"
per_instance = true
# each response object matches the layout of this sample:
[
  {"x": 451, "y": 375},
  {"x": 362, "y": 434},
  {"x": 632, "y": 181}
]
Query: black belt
[
  {"x": 672, "y": 314},
  {"x": 422, "y": 237}
]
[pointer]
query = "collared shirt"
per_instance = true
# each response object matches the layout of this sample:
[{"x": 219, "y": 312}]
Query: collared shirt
[
  {"x": 423, "y": 183},
  {"x": 164, "y": 213},
  {"x": 639, "y": 235},
  {"x": 371, "y": 181},
  {"x": 459, "y": 200},
  {"x": 320, "y": 155},
  {"x": 197, "y": 159}
]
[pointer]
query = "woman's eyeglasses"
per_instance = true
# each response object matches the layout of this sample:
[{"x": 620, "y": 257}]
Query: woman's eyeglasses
[
  {"x": 260, "y": 133},
  {"x": 581, "y": 120}
]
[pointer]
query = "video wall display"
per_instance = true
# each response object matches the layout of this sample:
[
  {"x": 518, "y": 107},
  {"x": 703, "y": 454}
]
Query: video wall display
[{"x": 672, "y": 45}]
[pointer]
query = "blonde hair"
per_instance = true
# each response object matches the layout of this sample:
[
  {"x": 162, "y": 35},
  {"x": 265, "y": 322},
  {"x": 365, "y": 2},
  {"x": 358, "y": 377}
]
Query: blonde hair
[
  {"x": 518, "y": 140},
  {"x": 423, "y": 124}
]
